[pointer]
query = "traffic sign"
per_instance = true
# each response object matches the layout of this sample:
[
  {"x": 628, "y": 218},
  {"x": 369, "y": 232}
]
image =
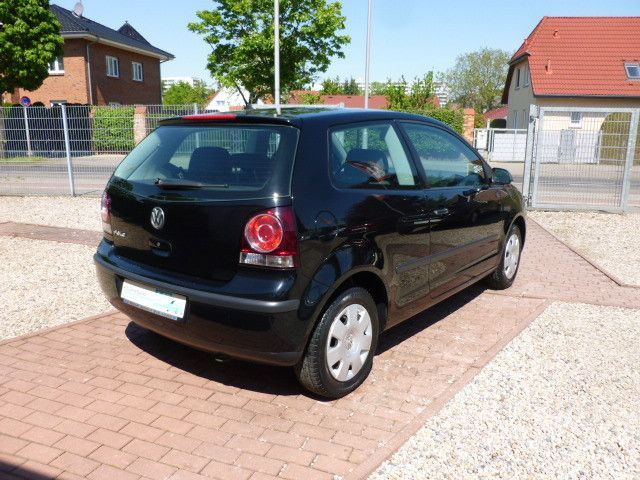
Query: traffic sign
[{"x": 25, "y": 101}]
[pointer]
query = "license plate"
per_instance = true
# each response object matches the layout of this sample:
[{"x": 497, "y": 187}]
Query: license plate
[{"x": 153, "y": 300}]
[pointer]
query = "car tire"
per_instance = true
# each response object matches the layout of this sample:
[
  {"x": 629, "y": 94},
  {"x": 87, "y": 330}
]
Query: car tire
[
  {"x": 504, "y": 276},
  {"x": 340, "y": 353}
]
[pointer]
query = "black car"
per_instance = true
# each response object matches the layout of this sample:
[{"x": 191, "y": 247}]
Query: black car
[{"x": 295, "y": 239}]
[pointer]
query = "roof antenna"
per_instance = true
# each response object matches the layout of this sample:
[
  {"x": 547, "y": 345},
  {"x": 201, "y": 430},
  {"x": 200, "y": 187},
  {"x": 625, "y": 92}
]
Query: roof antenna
[{"x": 78, "y": 9}]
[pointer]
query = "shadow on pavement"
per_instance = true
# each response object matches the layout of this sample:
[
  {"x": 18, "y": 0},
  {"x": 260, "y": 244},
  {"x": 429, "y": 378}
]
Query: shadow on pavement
[{"x": 270, "y": 379}]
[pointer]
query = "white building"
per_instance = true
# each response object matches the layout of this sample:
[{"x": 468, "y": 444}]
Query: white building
[{"x": 228, "y": 99}]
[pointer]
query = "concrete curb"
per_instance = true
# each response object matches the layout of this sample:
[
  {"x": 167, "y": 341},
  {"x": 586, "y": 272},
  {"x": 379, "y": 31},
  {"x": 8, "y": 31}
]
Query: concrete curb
[{"x": 44, "y": 331}]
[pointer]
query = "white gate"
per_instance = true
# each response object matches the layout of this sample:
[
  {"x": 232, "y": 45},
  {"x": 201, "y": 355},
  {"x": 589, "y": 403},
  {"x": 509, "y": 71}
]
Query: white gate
[
  {"x": 501, "y": 144},
  {"x": 583, "y": 158}
]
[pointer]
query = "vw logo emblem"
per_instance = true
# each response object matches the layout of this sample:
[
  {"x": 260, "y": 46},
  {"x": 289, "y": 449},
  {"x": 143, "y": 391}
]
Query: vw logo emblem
[{"x": 157, "y": 218}]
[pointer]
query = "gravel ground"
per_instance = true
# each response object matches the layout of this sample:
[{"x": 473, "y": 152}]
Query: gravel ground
[
  {"x": 45, "y": 284},
  {"x": 610, "y": 240},
  {"x": 561, "y": 401},
  {"x": 69, "y": 212}
]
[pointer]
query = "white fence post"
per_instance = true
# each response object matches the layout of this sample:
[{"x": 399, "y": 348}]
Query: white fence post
[
  {"x": 67, "y": 147},
  {"x": 26, "y": 129},
  {"x": 630, "y": 158}
]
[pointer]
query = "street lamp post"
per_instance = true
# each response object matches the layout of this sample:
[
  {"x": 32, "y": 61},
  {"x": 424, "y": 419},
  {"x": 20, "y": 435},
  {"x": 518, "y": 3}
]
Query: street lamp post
[
  {"x": 276, "y": 25},
  {"x": 368, "y": 60}
]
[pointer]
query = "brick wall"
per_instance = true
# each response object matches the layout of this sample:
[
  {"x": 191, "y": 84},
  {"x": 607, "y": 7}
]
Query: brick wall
[
  {"x": 71, "y": 86},
  {"x": 124, "y": 90},
  {"x": 469, "y": 124}
]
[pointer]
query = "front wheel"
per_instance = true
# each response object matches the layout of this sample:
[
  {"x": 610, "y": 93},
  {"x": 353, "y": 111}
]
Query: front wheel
[
  {"x": 340, "y": 353},
  {"x": 505, "y": 274}
]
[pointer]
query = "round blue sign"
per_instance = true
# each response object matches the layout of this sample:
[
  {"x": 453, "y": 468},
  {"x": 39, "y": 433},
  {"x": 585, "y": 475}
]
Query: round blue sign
[{"x": 25, "y": 101}]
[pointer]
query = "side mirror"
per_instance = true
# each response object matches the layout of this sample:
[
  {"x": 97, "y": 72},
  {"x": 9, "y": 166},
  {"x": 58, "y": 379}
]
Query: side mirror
[{"x": 502, "y": 176}]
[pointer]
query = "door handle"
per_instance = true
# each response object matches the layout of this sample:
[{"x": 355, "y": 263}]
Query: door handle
[{"x": 441, "y": 212}]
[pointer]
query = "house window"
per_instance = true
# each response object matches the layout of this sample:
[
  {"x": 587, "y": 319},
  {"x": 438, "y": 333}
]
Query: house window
[
  {"x": 515, "y": 119},
  {"x": 113, "y": 67},
  {"x": 633, "y": 70},
  {"x": 517, "y": 78},
  {"x": 138, "y": 72},
  {"x": 57, "y": 66},
  {"x": 527, "y": 75},
  {"x": 58, "y": 102},
  {"x": 576, "y": 119}
]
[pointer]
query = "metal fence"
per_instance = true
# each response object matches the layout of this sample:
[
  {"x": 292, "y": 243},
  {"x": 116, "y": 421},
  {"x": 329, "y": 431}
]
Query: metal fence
[
  {"x": 71, "y": 149},
  {"x": 583, "y": 158}
]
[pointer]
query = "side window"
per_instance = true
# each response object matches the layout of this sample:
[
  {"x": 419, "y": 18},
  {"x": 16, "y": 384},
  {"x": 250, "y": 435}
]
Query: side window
[
  {"x": 446, "y": 160},
  {"x": 370, "y": 156}
]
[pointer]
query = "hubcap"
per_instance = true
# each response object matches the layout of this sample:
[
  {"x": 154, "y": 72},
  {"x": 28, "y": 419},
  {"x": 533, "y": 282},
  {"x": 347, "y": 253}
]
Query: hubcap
[
  {"x": 349, "y": 342},
  {"x": 511, "y": 256}
]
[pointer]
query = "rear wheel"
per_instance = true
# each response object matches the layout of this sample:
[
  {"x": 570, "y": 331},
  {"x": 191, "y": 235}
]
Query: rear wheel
[
  {"x": 340, "y": 353},
  {"x": 505, "y": 274}
]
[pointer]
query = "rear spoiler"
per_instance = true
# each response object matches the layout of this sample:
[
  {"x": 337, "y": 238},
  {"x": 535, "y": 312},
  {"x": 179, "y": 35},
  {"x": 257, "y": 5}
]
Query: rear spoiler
[{"x": 215, "y": 118}]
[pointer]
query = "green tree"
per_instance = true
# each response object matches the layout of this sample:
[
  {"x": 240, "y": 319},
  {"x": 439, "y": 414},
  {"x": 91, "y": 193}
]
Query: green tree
[
  {"x": 350, "y": 87},
  {"x": 240, "y": 33},
  {"x": 477, "y": 78},
  {"x": 29, "y": 41},
  {"x": 331, "y": 86},
  {"x": 182, "y": 93},
  {"x": 311, "y": 98}
]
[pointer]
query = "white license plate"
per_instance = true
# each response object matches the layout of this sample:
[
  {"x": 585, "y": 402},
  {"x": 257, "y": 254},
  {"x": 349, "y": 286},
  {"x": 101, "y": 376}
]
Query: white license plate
[{"x": 153, "y": 300}]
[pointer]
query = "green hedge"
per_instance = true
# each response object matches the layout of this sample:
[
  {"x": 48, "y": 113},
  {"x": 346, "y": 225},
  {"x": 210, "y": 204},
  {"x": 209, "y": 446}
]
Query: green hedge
[
  {"x": 453, "y": 118},
  {"x": 113, "y": 129},
  {"x": 614, "y": 138}
]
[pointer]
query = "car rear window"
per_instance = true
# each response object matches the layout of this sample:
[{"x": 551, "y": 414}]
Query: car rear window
[{"x": 234, "y": 161}]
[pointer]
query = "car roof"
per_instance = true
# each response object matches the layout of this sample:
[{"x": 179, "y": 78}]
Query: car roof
[{"x": 307, "y": 116}]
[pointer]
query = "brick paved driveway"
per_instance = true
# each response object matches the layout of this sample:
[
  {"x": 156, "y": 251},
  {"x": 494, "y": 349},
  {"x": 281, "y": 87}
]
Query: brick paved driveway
[{"x": 103, "y": 398}]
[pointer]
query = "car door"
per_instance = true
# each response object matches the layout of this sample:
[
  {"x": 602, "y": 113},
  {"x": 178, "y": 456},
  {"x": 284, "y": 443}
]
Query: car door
[
  {"x": 373, "y": 167},
  {"x": 466, "y": 226}
]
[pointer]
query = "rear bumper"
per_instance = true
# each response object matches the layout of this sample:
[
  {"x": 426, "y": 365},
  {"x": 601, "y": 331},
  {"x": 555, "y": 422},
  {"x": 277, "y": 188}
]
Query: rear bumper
[{"x": 263, "y": 331}]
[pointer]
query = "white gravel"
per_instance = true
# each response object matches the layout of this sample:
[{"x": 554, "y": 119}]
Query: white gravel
[
  {"x": 68, "y": 212},
  {"x": 561, "y": 401},
  {"x": 45, "y": 284},
  {"x": 610, "y": 240}
]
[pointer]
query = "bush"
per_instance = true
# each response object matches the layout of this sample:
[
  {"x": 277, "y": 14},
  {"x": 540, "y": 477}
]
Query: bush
[
  {"x": 453, "y": 118},
  {"x": 113, "y": 129}
]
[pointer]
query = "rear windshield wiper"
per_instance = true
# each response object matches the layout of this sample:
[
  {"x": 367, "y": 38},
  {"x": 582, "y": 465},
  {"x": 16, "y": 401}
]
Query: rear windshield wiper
[{"x": 186, "y": 184}]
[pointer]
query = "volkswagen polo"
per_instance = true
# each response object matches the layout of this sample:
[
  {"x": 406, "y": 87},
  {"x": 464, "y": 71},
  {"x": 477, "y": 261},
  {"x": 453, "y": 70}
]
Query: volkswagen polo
[{"x": 296, "y": 239}]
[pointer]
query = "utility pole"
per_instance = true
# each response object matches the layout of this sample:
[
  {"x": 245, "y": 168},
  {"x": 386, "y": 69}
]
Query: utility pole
[
  {"x": 368, "y": 60},
  {"x": 276, "y": 25}
]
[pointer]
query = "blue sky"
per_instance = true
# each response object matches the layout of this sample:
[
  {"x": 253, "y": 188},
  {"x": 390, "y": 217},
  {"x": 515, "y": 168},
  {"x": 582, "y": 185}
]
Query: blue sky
[{"x": 410, "y": 37}]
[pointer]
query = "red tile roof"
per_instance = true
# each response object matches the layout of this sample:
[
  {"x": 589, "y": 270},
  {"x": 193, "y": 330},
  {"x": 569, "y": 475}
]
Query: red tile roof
[
  {"x": 581, "y": 56},
  {"x": 497, "y": 113},
  {"x": 349, "y": 101}
]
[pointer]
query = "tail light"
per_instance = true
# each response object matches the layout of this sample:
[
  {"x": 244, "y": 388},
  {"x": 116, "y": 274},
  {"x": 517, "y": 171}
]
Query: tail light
[
  {"x": 270, "y": 239},
  {"x": 105, "y": 213}
]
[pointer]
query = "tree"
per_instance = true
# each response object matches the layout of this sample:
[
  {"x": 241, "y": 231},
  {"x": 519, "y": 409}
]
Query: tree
[
  {"x": 331, "y": 86},
  {"x": 350, "y": 87},
  {"x": 311, "y": 98},
  {"x": 401, "y": 96},
  {"x": 182, "y": 93},
  {"x": 30, "y": 40},
  {"x": 477, "y": 79},
  {"x": 240, "y": 33}
]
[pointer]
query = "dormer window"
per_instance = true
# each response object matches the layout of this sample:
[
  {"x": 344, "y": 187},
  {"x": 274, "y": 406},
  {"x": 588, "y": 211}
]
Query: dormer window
[{"x": 633, "y": 71}]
